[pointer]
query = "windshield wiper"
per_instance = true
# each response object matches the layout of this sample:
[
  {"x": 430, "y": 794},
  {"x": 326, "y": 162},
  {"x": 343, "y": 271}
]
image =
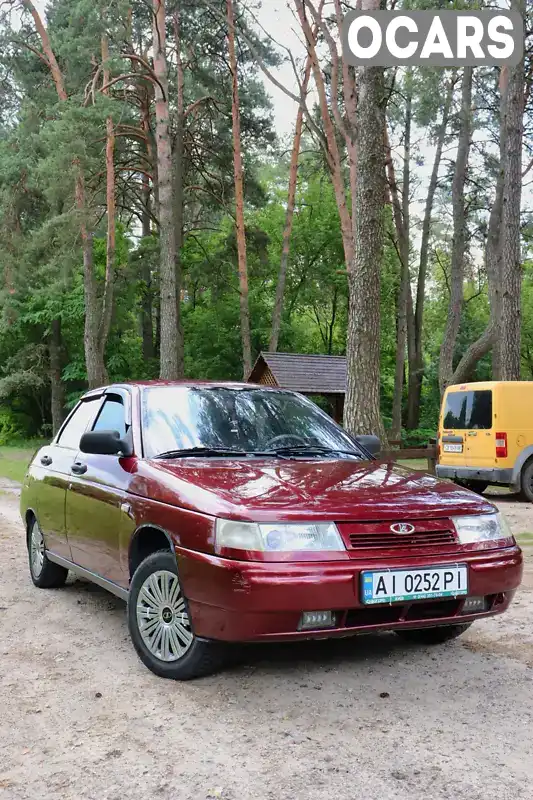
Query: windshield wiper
[
  {"x": 207, "y": 452},
  {"x": 280, "y": 452},
  {"x": 312, "y": 449}
]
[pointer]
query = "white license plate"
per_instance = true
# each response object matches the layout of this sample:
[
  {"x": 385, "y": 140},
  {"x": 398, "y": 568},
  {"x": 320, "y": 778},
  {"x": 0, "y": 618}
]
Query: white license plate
[
  {"x": 403, "y": 585},
  {"x": 453, "y": 448}
]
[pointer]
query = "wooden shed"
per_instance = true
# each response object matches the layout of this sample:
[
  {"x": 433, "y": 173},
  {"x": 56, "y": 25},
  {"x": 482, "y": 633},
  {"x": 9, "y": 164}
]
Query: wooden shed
[{"x": 312, "y": 375}]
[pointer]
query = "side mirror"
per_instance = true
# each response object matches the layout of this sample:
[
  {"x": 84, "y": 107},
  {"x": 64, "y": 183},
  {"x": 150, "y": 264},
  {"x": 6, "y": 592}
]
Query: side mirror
[
  {"x": 106, "y": 443},
  {"x": 370, "y": 443}
]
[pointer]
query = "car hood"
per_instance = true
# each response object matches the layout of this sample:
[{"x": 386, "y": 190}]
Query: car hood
[{"x": 271, "y": 489}]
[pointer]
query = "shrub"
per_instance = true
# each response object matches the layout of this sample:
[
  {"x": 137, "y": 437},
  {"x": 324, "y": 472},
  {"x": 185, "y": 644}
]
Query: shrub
[
  {"x": 419, "y": 437},
  {"x": 13, "y": 425}
]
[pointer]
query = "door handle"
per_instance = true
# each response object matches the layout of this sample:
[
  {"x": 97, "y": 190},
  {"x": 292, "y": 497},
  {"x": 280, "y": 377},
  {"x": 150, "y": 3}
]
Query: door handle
[
  {"x": 78, "y": 468},
  {"x": 46, "y": 461}
]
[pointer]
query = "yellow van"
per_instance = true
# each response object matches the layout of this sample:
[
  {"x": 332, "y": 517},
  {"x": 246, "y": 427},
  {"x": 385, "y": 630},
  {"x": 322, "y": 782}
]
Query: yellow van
[{"x": 486, "y": 435}]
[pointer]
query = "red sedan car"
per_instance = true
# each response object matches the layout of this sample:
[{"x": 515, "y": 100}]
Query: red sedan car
[{"x": 231, "y": 513}]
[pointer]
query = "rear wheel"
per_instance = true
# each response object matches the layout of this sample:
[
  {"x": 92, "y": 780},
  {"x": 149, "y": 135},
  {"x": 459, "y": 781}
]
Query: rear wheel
[
  {"x": 44, "y": 573},
  {"x": 474, "y": 486},
  {"x": 160, "y": 625},
  {"x": 444, "y": 633},
  {"x": 526, "y": 481}
]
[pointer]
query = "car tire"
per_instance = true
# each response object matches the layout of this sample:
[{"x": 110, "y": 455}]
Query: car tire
[
  {"x": 526, "y": 482},
  {"x": 438, "y": 635},
  {"x": 44, "y": 573},
  {"x": 475, "y": 486},
  {"x": 160, "y": 625}
]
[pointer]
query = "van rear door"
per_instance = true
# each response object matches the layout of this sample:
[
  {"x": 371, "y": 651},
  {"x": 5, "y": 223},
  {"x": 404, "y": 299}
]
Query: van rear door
[
  {"x": 479, "y": 436},
  {"x": 452, "y": 439},
  {"x": 467, "y": 421}
]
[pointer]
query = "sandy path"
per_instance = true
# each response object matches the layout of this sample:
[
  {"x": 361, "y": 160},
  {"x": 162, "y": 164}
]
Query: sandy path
[{"x": 82, "y": 718}]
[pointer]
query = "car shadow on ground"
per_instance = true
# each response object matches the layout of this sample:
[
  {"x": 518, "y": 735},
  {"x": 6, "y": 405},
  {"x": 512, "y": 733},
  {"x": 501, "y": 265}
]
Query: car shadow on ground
[
  {"x": 324, "y": 654},
  {"x": 85, "y": 591},
  {"x": 271, "y": 656}
]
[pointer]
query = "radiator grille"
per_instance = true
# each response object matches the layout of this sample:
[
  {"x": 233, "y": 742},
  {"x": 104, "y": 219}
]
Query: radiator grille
[
  {"x": 374, "y": 538},
  {"x": 392, "y": 541}
]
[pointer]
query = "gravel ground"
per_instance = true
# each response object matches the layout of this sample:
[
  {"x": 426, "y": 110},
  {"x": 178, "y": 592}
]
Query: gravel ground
[{"x": 367, "y": 718}]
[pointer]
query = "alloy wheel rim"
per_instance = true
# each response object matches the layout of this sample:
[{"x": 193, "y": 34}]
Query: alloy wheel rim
[
  {"x": 162, "y": 617},
  {"x": 36, "y": 551}
]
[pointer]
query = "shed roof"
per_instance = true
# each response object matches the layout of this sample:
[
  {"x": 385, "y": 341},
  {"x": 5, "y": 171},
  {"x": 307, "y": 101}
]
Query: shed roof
[{"x": 309, "y": 374}]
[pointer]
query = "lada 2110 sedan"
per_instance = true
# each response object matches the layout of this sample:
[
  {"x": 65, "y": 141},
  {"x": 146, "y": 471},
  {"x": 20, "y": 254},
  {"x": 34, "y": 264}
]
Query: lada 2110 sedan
[{"x": 237, "y": 513}]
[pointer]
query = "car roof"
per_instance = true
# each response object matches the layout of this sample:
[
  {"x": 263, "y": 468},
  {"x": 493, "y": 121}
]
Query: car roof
[
  {"x": 484, "y": 385},
  {"x": 181, "y": 383}
]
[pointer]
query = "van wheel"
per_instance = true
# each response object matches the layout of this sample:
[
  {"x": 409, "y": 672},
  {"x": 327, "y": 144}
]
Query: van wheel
[
  {"x": 526, "y": 481},
  {"x": 475, "y": 486}
]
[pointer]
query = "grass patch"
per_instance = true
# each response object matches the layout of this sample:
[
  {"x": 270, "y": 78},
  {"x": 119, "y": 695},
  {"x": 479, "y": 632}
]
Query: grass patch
[
  {"x": 524, "y": 538},
  {"x": 14, "y": 459},
  {"x": 415, "y": 463}
]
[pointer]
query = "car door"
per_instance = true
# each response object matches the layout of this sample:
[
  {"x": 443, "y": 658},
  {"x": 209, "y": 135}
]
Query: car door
[
  {"x": 96, "y": 499},
  {"x": 50, "y": 474}
]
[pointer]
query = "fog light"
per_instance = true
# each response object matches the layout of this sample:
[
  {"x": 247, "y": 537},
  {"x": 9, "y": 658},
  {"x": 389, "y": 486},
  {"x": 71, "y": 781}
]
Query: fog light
[
  {"x": 312, "y": 620},
  {"x": 474, "y": 605}
]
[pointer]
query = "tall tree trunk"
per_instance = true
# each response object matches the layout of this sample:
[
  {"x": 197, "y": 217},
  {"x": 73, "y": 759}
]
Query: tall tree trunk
[
  {"x": 56, "y": 382},
  {"x": 97, "y": 321},
  {"x": 459, "y": 234},
  {"x": 96, "y": 371},
  {"x": 349, "y": 91},
  {"x": 490, "y": 338},
  {"x": 362, "y": 408},
  {"x": 57, "y": 387},
  {"x": 511, "y": 254},
  {"x": 416, "y": 365},
  {"x": 56, "y": 73},
  {"x": 293, "y": 183},
  {"x": 333, "y": 155},
  {"x": 179, "y": 183},
  {"x": 402, "y": 226},
  {"x": 107, "y": 300},
  {"x": 169, "y": 356},
  {"x": 494, "y": 237},
  {"x": 239, "y": 198},
  {"x": 147, "y": 324}
]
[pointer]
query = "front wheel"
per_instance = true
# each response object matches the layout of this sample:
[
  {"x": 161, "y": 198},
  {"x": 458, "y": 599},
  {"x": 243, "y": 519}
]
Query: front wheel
[
  {"x": 444, "y": 633},
  {"x": 160, "y": 625},
  {"x": 44, "y": 573}
]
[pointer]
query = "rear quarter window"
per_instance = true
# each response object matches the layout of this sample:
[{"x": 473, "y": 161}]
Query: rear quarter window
[{"x": 468, "y": 410}]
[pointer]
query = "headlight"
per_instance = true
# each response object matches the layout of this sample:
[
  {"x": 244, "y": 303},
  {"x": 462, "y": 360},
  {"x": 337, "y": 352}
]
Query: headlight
[
  {"x": 272, "y": 538},
  {"x": 483, "y": 528}
]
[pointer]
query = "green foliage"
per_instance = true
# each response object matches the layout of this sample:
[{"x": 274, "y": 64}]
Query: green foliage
[
  {"x": 13, "y": 425},
  {"x": 420, "y": 437},
  {"x": 44, "y": 142}
]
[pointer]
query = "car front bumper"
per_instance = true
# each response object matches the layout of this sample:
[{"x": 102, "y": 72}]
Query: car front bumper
[{"x": 242, "y": 601}]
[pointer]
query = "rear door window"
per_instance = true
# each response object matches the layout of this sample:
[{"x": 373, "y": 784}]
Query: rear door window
[{"x": 468, "y": 410}]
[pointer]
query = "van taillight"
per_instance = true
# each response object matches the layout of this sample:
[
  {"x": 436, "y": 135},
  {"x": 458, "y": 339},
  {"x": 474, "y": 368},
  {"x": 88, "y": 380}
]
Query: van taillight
[{"x": 501, "y": 445}]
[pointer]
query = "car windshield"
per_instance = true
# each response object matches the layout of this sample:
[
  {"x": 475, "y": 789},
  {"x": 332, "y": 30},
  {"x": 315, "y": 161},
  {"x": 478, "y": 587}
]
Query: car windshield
[{"x": 250, "y": 420}]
